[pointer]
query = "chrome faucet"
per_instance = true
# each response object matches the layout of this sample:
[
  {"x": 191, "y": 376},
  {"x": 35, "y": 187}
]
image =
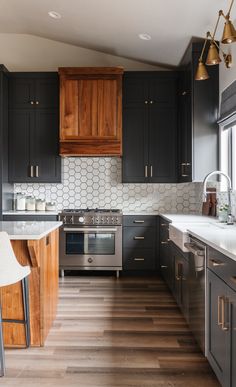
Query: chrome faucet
[{"x": 230, "y": 219}]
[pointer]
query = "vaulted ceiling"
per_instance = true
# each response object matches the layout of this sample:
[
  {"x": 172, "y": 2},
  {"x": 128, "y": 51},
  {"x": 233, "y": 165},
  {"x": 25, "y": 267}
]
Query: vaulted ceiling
[{"x": 113, "y": 26}]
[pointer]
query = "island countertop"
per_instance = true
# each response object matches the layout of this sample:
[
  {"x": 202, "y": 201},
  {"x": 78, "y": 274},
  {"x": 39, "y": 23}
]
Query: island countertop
[{"x": 29, "y": 230}]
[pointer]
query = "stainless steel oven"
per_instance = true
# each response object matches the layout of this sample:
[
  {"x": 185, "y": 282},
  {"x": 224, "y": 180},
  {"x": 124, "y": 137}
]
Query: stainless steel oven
[{"x": 91, "y": 240}]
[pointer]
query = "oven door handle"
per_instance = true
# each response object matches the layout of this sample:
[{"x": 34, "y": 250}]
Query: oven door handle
[{"x": 87, "y": 230}]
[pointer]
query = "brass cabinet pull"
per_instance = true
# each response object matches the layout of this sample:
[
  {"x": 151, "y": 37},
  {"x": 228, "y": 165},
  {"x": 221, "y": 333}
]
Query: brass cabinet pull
[
  {"x": 151, "y": 102},
  {"x": 164, "y": 243},
  {"x": 31, "y": 171},
  {"x": 183, "y": 174},
  {"x": 146, "y": 102},
  {"x": 216, "y": 263},
  {"x": 233, "y": 279},
  {"x": 184, "y": 92},
  {"x": 146, "y": 171},
  {"x": 139, "y": 238},
  {"x": 151, "y": 171},
  {"x": 164, "y": 224},
  {"x": 31, "y": 102},
  {"x": 164, "y": 267},
  {"x": 37, "y": 102},
  {"x": 223, "y": 302},
  {"x": 139, "y": 259},
  {"x": 138, "y": 221},
  {"x": 36, "y": 171},
  {"x": 177, "y": 278},
  {"x": 219, "y": 311}
]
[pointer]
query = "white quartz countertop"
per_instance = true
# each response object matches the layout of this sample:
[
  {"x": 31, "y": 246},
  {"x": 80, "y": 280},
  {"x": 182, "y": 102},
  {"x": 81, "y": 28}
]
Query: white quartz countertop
[
  {"x": 188, "y": 218},
  {"x": 221, "y": 239},
  {"x": 28, "y": 230},
  {"x": 207, "y": 229},
  {"x": 12, "y": 212}
]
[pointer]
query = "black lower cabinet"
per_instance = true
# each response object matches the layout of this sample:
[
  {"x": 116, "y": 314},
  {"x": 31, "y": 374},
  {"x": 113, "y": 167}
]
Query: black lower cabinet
[
  {"x": 221, "y": 316},
  {"x": 219, "y": 335},
  {"x": 166, "y": 259},
  {"x": 139, "y": 243}
]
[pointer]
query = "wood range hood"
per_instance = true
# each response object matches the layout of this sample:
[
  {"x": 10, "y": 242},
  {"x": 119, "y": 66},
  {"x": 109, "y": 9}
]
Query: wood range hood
[{"x": 90, "y": 111}]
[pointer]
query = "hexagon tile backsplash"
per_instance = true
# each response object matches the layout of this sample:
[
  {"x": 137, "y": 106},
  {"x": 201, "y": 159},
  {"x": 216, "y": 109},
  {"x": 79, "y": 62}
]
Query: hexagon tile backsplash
[{"x": 96, "y": 183}]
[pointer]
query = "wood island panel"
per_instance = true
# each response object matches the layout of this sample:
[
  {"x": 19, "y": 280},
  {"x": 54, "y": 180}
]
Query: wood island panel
[{"x": 42, "y": 257}]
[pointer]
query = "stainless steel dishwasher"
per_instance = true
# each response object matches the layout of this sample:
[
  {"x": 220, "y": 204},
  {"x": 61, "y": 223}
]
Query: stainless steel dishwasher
[{"x": 197, "y": 290}]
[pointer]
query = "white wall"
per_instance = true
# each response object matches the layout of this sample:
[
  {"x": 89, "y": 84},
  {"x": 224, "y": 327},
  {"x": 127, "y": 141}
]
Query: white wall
[
  {"x": 19, "y": 52},
  {"x": 228, "y": 76}
]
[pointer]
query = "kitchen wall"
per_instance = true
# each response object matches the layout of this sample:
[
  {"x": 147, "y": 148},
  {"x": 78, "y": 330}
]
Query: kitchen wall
[
  {"x": 96, "y": 182},
  {"x": 227, "y": 76},
  {"x": 20, "y": 52}
]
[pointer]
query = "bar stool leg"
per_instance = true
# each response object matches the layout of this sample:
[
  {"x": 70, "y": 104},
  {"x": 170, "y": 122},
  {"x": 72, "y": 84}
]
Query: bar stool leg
[
  {"x": 25, "y": 293},
  {"x": 2, "y": 354}
]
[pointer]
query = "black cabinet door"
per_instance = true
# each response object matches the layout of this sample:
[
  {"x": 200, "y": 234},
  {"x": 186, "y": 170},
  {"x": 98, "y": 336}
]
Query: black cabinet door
[
  {"x": 232, "y": 327},
  {"x": 218, "y": 338},
  {"x": 44, "y": 146},
  {"x": 33, "y": 90},
  {"x": 21, "y": 122},
  {"x": 135, "y": 144},
  {"x": 163, "y": 90},
  {"x": 162, "y": 144},
  {"x": 46, "y": 93},
  {"x": 185, "y": 127},
  {"x": 135, "y": 89},
  {"x": 34, "y": 128},
  {"x": 21, "y": 93},
  {"x": 149, "y": 127}
]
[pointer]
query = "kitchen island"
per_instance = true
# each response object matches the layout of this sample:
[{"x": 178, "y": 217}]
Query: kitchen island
[{"x": 35, "y": 244}]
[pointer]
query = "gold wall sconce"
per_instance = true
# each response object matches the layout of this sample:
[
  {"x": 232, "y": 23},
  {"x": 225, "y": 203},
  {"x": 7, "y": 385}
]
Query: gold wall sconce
[{"x": 213, "y": 55}]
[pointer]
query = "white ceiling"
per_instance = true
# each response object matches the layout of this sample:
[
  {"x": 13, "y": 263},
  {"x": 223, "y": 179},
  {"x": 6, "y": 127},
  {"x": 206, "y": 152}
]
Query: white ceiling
[{"x": 112, "y": 26}]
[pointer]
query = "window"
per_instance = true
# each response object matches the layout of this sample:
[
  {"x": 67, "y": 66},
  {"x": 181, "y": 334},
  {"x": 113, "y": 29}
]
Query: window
[{"x": 228, "y": 155}]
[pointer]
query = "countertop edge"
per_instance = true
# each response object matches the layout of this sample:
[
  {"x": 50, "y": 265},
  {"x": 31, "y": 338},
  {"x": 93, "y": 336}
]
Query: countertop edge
[
  {"x": 45, "y": 213},
  {"x": 35, "y": 237},
  {"x": 212, "y": 244}
]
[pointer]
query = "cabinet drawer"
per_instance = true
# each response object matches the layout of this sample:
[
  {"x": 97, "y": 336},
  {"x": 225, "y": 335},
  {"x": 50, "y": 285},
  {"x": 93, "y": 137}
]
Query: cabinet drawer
[
  {"x": 139, "y": 237},
  {"x": 139, "y": 220},
  {"x": 137, "y": 259},
  {"x": 223, "y": 266}
]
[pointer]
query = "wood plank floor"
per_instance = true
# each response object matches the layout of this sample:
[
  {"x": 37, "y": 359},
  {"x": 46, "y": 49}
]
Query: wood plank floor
[{"x": 109, "y": 332}]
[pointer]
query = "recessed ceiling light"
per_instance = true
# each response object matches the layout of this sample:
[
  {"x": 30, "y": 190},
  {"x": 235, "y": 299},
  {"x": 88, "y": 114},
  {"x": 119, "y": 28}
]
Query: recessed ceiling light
[
  {"x": 145, "y": 36},
  {"x": 54, "y": 14}
]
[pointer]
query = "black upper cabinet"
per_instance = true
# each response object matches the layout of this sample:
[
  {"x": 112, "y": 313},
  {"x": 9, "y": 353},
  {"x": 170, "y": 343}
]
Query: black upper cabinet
[
  {"x": 149, "y": 127},
  {"x": 28, "y": 90},
  {"x": 34, "y": 128},
  {"x": 198, "y": 103}
]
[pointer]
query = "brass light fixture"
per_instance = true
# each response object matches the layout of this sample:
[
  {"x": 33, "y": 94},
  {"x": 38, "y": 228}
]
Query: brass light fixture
[{"x": 213, "y": 57}]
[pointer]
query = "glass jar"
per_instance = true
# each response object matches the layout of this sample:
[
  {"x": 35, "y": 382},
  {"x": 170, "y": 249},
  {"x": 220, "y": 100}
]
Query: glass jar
[
  {"x": 40, "y": 205},
  {"x": 20, "y": 201},
  {"x": 30, "y": 203},
  {"x": 50, "y": 206}
]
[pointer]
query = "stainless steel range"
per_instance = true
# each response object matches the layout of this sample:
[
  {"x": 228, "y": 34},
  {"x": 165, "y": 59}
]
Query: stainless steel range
[{"x": 91, "y": 240}]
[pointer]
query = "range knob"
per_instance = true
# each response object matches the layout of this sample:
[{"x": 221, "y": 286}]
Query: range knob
[
  {"x": 71, "y": 219},
  {"x": 90, "y": 260},
  {"x": 81, "y": 219}
]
